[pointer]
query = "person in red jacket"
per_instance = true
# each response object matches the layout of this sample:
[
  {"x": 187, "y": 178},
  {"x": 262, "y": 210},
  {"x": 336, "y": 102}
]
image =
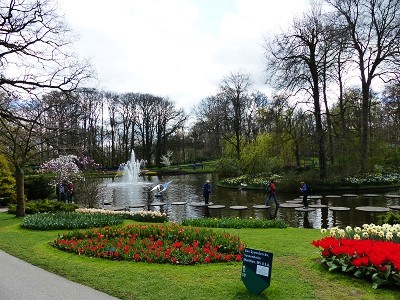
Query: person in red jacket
[{"x": 271, "y": 189}]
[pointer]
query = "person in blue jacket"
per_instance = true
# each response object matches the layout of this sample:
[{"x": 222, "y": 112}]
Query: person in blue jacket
[
  {"x": 304, "y": 189},
  {"x": 206, "y": 191}
]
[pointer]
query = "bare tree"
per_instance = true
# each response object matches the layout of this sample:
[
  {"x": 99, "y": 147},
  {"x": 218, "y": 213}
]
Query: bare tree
[
  {"x": 296, "y": 62},
  {"x": 169, "y": 121},
  {"x": 206, "y": 134},
  {"x": 146, "y": 124},
  {"x": 374, "y": 30},
  {"x": 127, "y": 112},
  {"x": 234, "y": 96},
  {"x": 34, "y": 49},
  {"x": 35, "y": 58},
  {"x": 22, "y": 141}
]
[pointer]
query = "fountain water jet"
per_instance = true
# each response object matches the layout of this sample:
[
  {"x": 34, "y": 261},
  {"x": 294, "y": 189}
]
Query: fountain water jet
[{"x": 131, "y": 170}]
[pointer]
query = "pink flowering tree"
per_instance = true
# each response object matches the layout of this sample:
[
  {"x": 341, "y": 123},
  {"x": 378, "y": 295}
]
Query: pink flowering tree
[
  {"x": 70, "y": 168},
  {"x": 64, "y": 168},
  {"x": 86, "y": 163}
]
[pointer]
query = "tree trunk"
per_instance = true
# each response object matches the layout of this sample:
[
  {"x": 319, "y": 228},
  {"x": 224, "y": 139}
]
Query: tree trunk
[
  {"x": 19, "y": 178},
  {"x": 365, "y": 128}
]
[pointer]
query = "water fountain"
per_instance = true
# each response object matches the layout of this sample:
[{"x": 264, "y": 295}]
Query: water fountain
[
  {"x": 130, "y": 170},
  {"x": 126, "y": 188}
]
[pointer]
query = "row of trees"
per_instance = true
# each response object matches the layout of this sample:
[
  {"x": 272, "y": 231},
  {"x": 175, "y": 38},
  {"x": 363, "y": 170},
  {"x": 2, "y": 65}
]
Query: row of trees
[
  {"x": 319, "y": 52},
  {"x": 324, "y": 67}
]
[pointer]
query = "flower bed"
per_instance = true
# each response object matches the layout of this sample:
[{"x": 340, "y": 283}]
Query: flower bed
[
  {"x": 69, "y": 220},
  {"x": 139, "y": 216},
  {"x": 234, "y": 223},
  {"x": 371, "y": 252},
  {"x": 158, "y": 243}
]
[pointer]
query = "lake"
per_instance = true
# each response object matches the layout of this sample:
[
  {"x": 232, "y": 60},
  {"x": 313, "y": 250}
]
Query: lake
[{"x": 185, "y": 191}]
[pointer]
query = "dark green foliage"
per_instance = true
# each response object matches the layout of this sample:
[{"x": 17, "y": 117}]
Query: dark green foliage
[
  {"x": 7, "y": 183},
  {"x": 234, "y": 223},
  {"x": 38, "y": 187},
  {"x": 42, "y": 206},
  {"x": 69, "y": 220},
  {"x": 228, "y": 167},
  {"x": 389, "y": 218}
]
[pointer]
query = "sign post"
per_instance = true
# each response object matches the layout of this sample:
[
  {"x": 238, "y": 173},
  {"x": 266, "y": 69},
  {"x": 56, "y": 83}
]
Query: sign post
[{"x": 256, "y": 270}]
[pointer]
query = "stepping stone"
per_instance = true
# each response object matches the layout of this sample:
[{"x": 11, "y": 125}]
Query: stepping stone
[
  {"x": 333, "y": 196},
  {"x": 349, "y": 195},
  {"x": 200, "y": 204},
  {"x": 294, "y": 201},
  {"x": 290, "y": 205},
  {"x": 315, "y": 197},
  {"x": 216, "y": 206},
  {"x": 238, "y": 207},
  {"x": 304, "y": 209},
  {"x": 373, "y": 208},
  {"x": 394, "y": 207},
  {"x": 178, "y": 203},
  {"x": 339, "y": 208},
  {"x": 392, "y": 196},
  {"x": 318, "y": 206},
  {"x": 370, "y": 195},
  {"x": 136, "y": 205},
  {"x": 158, "y": 204},
  {"x": 262, "y": 206}
]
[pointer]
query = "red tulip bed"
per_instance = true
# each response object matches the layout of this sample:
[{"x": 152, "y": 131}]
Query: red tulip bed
[
  {"x": 154, "y": 243},
  {"x": 372, "y": 252}
]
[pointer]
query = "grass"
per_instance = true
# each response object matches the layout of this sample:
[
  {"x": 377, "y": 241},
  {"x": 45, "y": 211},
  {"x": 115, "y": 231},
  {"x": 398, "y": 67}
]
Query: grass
[{"x": 295, "y": 271}]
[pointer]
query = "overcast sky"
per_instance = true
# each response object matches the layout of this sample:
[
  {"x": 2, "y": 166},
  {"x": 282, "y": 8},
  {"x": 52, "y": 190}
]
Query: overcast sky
[{"x": 180, "y": 49}]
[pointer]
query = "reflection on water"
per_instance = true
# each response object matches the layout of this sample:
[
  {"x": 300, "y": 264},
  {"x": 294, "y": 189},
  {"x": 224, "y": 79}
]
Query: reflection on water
[{"x": 187, "y": 188}]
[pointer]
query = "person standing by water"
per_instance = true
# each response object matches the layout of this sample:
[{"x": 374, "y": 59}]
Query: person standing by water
[
  {"x": 271, "y": 189},
  {"x": 206, "y": 191},
  {"x": 304, "y": 189},
  {"x": 70, "y": 192}
]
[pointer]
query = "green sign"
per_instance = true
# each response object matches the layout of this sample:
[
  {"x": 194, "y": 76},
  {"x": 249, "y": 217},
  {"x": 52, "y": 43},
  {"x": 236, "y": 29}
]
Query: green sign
[{"x": 256, "y": 270}]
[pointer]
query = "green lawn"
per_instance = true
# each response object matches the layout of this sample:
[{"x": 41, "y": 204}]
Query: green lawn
[{"x": 295, "y": 271}]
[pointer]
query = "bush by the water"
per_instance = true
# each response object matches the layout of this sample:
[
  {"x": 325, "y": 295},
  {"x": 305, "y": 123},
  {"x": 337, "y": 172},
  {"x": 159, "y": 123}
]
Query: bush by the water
[
  {"x": 389, "y": 218},
  {"x": 42, "y": 206},
  {"x": 234, "y": 223},
  {"x": 69, "y": 220},
  {"x": 228, "y": 167}
]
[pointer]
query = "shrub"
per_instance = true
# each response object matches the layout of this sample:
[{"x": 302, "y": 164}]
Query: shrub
[
  {"x": 38, "y": 187},
  {"x": 88, "y": 191},
  {"x": 389, "y": 218},
  {"x": 228, "y": 167},
  {"x": 7, "y": 183},
  {"x": 42, "y": 206},
  {"x": 69, "y": 220},
  {"x": 234, "y": 223}
]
